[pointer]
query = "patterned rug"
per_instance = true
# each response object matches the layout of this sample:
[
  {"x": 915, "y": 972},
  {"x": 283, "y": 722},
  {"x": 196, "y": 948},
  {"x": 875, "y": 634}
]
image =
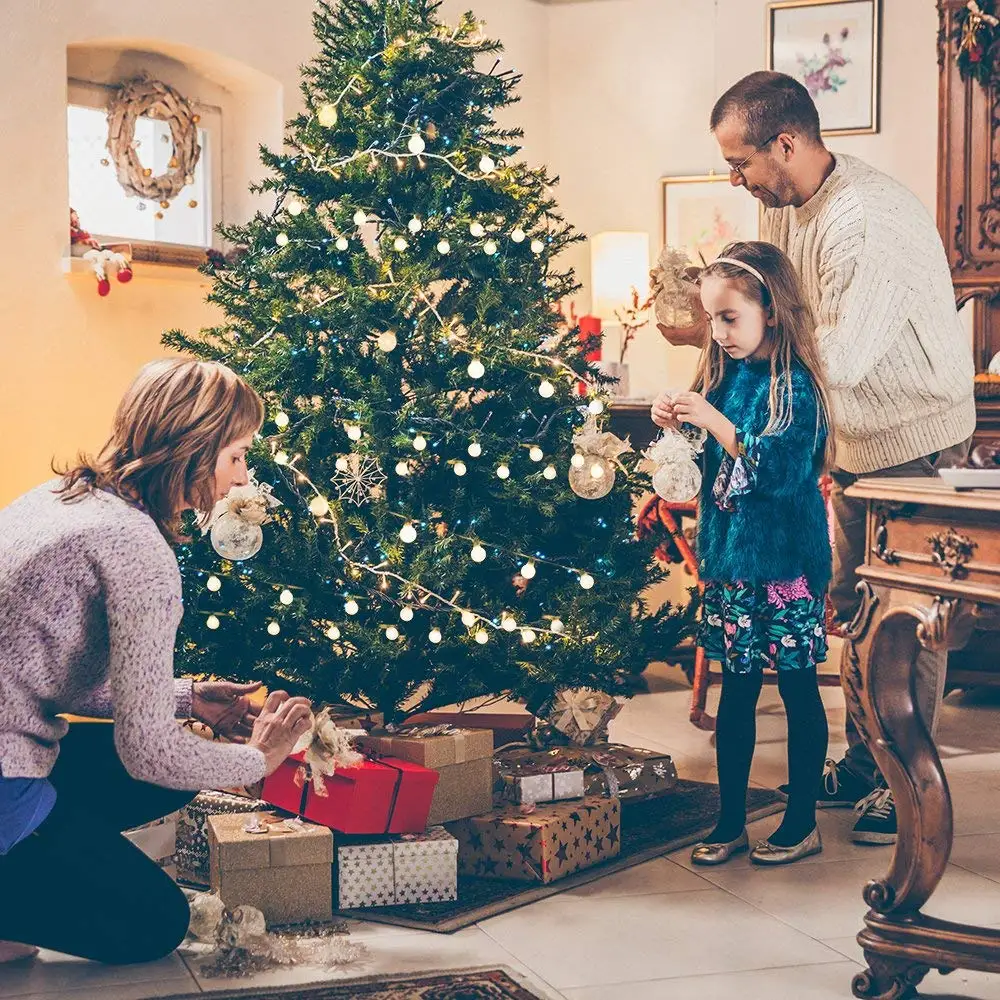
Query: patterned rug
[
  {"x": 462, "y": 984},
  {"x": 649, "y": 829}
]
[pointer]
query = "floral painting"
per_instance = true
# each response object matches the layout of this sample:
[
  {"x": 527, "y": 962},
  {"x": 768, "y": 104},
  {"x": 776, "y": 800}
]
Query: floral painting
[
  {"x": 832, "y": 46},
  {"x": 702, "y": 214}
]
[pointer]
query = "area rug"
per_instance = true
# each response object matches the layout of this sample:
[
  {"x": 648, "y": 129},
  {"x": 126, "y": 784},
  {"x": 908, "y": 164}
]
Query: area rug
[
  {"x": 461, "y": 984},
  {"x": 649, "y": 829}
]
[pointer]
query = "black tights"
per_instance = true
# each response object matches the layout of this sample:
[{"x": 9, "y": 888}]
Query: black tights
[{"x": 736, "y": 736}]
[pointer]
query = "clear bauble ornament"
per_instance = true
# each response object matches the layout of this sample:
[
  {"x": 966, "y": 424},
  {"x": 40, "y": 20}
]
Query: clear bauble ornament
[
  {"x": 235, "y": 538},
  {"x": 594, "y": 479},
  {"x": 678, "y": 481}
]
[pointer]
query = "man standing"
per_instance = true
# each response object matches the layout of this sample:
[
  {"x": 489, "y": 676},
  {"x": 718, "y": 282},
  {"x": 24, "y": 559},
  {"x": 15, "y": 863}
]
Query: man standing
[{"x": 899, "y": 364}]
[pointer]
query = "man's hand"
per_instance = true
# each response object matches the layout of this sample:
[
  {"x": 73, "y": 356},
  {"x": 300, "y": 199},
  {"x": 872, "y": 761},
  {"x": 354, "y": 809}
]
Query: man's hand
[{"x": 225, "y": 707}]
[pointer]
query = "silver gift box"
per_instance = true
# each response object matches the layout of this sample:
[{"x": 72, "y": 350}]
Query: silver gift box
[{"x": 550, "y": 786}]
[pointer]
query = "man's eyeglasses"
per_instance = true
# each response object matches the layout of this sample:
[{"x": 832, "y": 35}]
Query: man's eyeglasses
[{"x": 738, "y": 168}]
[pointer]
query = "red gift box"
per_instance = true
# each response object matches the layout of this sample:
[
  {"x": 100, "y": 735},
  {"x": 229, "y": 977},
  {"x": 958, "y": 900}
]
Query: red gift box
[{"x": 383, "y": 796}]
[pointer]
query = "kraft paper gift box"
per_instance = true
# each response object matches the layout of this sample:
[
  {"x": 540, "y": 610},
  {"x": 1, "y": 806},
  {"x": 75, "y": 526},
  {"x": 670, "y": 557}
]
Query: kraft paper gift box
[
  {"x": 460, "y": 757},
  {"x": 285, "y": 870},
  {"x": 413, "y": 868},
  {"x": 547, "y": 844},
  {"x": 374, "y": 797},
  {"x": 191, "y": 857},
  {"x": 507, "y": 727}
]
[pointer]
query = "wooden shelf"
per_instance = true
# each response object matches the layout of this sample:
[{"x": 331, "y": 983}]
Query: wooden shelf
[{"x": 77, "y": 267}]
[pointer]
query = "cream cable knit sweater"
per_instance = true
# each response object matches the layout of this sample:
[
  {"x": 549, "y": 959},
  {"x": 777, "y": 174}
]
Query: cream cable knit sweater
[
  {"x": 90, "y": 600},
  {"x": 874, "y": 271}
]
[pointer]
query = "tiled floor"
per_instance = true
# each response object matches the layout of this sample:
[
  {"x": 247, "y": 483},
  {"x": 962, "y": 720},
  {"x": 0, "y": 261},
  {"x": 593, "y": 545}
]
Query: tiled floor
[{"x": 663, "y": 930}]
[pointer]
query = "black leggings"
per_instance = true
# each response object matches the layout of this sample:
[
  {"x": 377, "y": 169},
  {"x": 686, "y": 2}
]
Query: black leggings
[{"x": 76, "y": 885}]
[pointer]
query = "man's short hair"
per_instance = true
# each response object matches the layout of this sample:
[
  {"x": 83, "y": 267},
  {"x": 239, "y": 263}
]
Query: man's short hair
[{"x": 769, "y": 104}]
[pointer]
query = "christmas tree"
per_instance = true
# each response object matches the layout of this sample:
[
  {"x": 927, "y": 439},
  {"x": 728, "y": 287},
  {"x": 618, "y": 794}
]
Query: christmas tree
[{"x": 428, "y": 408}]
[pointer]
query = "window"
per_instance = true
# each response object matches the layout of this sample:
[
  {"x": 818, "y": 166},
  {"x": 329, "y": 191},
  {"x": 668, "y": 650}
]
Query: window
[{"x": 104, "y": 208}]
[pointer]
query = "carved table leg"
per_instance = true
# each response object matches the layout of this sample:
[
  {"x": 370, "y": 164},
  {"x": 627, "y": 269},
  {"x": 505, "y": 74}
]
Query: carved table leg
[{"x": 878, "y": 672}]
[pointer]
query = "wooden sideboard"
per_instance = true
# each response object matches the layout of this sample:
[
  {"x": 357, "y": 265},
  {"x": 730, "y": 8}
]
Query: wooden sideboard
[{"x": 931, "y": 576}]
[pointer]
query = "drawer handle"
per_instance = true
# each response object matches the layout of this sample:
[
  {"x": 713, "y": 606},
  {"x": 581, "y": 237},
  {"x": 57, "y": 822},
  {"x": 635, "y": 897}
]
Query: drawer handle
[{"x": 951, "y": 551}]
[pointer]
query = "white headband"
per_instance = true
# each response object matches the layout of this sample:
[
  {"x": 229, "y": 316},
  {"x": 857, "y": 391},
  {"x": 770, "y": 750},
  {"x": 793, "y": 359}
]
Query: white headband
[{"x": 744, "y": 266}]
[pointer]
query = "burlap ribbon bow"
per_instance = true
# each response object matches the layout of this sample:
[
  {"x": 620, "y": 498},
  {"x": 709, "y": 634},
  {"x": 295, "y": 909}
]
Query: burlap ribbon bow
[
  {"x": 251, "y": 503},
  {"x": 589, "y": 440},
  {"x": 324, "y": 747},
  {"x": 579, "y": 709}
]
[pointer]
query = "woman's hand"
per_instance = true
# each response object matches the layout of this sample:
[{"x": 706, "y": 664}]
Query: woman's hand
[
  {"x": 225, "y": 707},
  {"x": 662, "y": 411},
  {"x": 278, "y": 727},
  {"x": 693, "y": 408}
]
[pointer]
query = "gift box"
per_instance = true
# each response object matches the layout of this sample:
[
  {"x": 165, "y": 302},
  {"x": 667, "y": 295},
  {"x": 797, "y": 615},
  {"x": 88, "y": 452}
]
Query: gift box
[
  {"x": 555, "y": 785},
  {"x": 412, "y": 868},
  {"x": 461, "y": 758},
  {"x": 281, "y": 867},
  {"x": 158, "y": 841},
  {"x": 581, "y": 714},
  {"x": 630, "y": 774},
  {"x": 191, "y": 856},
  {"x": 383, "y": 796},
  {"x": 547, "y": 844},
  {"x": 512, "y": 727}
]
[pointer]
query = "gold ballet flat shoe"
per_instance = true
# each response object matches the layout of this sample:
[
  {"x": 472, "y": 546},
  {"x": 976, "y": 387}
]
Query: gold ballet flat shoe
[
  {"x": 719, "y": 854},
  {"x": 766, "y": 853}
]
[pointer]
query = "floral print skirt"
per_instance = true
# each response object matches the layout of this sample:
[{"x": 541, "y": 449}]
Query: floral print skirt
[{"x": 778, "y": 626}]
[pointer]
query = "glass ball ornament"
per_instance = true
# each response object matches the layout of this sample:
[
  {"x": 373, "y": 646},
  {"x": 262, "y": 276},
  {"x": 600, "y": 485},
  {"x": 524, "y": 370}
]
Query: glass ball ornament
[
  {"x": 444, "y": 247},
  {"x": 482, "y": 637},
  {"x": 351, "y": 607},
  {"x": 587, "y": 581},
  {"x": 406, "y": 614},
  {"x": 477, "y": 230},
  {"x": 214, "y": 584},
  {"x": 677, "y": 482},
  {"x": 476, "y": 368},
  {"x": 319, "y": 506},
  {"x": 593, "y": 479},
  {"x": 212, "y": 622},
  {"x": 420, "y": 442},
  {"x": 475, "y": 449},
  {"x": 416, "y": 145},
  {"x": 518, "y": 236},
  {"x": 469, "y": 619},
  {"x": 408, "y": 533},
  {"x": 546, "y": 390},
  {"x": 273, "y": 628},
  {"x": 236, "y": 539},
  {"x": 528, "y": 571},
  {"x": 435, "y": 635},
  {"x": 286, "y": 597},
  {"x": 327, "y": 115},
  {"x": 550, "y": 472},
  {"x": 333, "y": 633},
  {"x": 414, "y": 225},
  {"x": 387, "y": 341},
  {"x": 342, "y": 243},
  {"x": 503, "y": 472},
  {"x": 478, "y": 554}
]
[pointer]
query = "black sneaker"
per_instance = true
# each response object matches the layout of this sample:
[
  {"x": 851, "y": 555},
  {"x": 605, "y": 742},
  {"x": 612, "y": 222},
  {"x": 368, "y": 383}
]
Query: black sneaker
[
  {"x": 878, "y": 819},
  {"x": 842, "y": 789}
]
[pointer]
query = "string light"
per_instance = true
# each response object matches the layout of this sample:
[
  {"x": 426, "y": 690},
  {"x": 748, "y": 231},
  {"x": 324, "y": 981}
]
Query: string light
[
  {"x": 434, "y": 635},
  {"x": 281, "y": 458},
  {"x": 327, "y": 115},
  {"x": 286, "y": 597},
  {"x": 406, "y": 614},
  {"x": 408, "y": 533},
  {"x": 478, "y": 554},
  {"x": 319, "y": 507},
  {"x": 528, "y": 571},
  {"x": 596, "y": 407},
  {"x": 461, "y": 468},
  {"x": 503, "y": 472},
  {"x": 273, "y": 628},
  {"x": 444, "y": 247},
  {"x": 550, "y": 472},
  {"x": 342, "y": 465},
  {"x": 577, "y": 461},
  {"x": 537, "y": 246},
  {"x": 586, "y": 581},
  {"x": 557, "y": 626},
  {"x": 416, "y": 145},
  {"x": 475, "y": 449},
  {"x": 490, "y": 248},
  {"x": 213, "y": 583},
  {"x": 518, "y": 236},
  {"x": 508, "y": 624},
  {"x": 342, "y": 243},
  {"x": 486, "y": 165},
  {"x": 414, "y": 225},
  {"x": 295, "y": 207},
  {"x": 402, "y": 469},
  {"x": 476, "y": 368},
  {"x": 387, "y": 341},
  {"x": 360, "y": 218},
  {"x": 477, "y": 230},
  {"x": 469, "y": 619},
  {"x": 354, "y": 432},
  {"x": 400, "y": 244},
  {"x": 597, "y": 471},
  {"x": 546, "y": 390},
  {"x": 212, "y": 622},
  {"x": 528, "y": 636},
  {"x": 482, "y": 637},
  {"x": 281, "y": 419},
  {"x": 281, "y": 239},
  {"x": 351, "y": 607},
  {"x": 536, "y": 454},
  {"x": 333, "y": 633},
  {"x": 392, "y": 633},
  {"x": 420, "y": 442}
]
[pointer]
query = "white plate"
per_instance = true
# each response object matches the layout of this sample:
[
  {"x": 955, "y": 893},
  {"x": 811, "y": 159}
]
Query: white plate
[{"x": 971, "y": 479}]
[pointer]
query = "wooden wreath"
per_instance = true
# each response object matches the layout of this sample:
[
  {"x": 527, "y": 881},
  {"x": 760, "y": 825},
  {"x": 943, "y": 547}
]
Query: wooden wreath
[{"x": 154, "y": 99}]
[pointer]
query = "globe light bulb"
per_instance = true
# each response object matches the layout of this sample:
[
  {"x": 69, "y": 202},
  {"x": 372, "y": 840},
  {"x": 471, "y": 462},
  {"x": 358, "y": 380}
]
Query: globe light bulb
[
  {"x": 550, "y": 472},
  {"x": 475, "y": 449},
  {"x": 295, "y": 207},
  {"x": 402, "y": 469},
  {"x": 537, "y": 247},
  {"x": 469, "y": 619},
  {"x": 528, "y": 636},
  {"x": 406, "y": 614},
  {"x": 213, "y": 583},
  {"x": 281, "y": 419},
  {"x": 212, "y": 622},
  {"x": 503, "y": 472},
  {"x": 586, "y": 581},
  {"x": 508, "y": 624},
  {"x": 360, "y": 218},
  {"x": 342, "y": 243},
  {"x": 434, "y": 635},
  {"x": 387, "y": 341},
  {"x": 528, "y": 571},
  {"x": 490, "y": 248},
  {"x": 420, "y": 442},
  {"x": 392, "y": 633},
  {"x": 281, "y": 239},
  {"x": 486, "y": 165},
  {"x": 482, "y": 637},
  {"x": 461, "y": 468},
  {"x": 546, "y": 390},
  {"x": 476, "y": 368},
  {"x": 416, "y": 145},
  {"x": 578, "y": 461},
  {"x": 286, "y": 597},
  {"x": 597, "y": 471},
  {"x": 354, "y": 432},
  {"x": 518, "y": 236},
  {"x": 400, "y": 244},
  {"x": 557, "y": 626},
  {"x": 273, "y": 628},
  {"x": 536, "y": 454},
  {"x": 408, "y": 533},
  {"x": 478, "y": 553},
  {"x": 319, "y": 506},
  {"x": 596, "y": 407},
  {"x": 281, "y": 458},
  {"x": 342, "y": 464},
  {"x": 444, "y": 247},
  {"x": 333, "y": 633},
  {"x": 477, "y": 230},
  {"x": 414, "y": 225},
  {"x": 327, "y": 115},
  {"x": 351, "y": 607}
]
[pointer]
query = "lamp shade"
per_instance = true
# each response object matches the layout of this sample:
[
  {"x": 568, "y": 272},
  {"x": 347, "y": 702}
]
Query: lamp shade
[{"x": 619, "y": 262}]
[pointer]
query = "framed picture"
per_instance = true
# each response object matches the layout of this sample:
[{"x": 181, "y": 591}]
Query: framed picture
[
  {"x": 831, "y": 46},
  {"x": 703, "y": 214}
]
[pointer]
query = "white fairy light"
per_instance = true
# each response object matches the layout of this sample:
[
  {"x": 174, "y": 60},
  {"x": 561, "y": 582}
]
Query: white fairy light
[
  {"x": 400, "y": 244},
  {"x": 387, "y": 341},
  {"x": 319, "y": 506},
  {"x": 414, "y": 225},
  {"x": 477, "y": 230},
  {"x": 503, "y": 472},
  {"x": 392, "y": 633},
  {"x": 212, "y": 621},
  {"x": 360, "y": 218},
  {"x": 550, "y": 472},
  {"x": 213, "y": 583},
  {"x": 273, "y": 628},
  {"x": 281, "y": 458},
  {"x": 402, "y": 469},
  {"x": 476, "y": 368},
  {"x": 406, "y": 614},
  {"x": 528, "y": 570},
  {"x": 408, "y": 533},
  {"x": 416, "y": 145},
  {"x": 295, "y": 207},
  {"x": 333, "y": 633},
  {"x": 286, "y": 597},
  {"x": 351, "y": 607},
  {"x": 508, "y": 624},
  {"x": 490, "y": 248},
  {"x": 596, "y": 407},
  {"x": 536, "y": 454},
  {"x": 354, "y": 432},
  {"x": 546, "y": 390},
  {"x": 327, "y": 115},
  {"x": 586, "y": 581},
  {"x": 281, "y": 419},
  {"x": 578, "y": 461},
  {"x": 444, "y": 247},
  {"x": 528, "y": 636},
  {"x": 342, "y": 243},
  {"x": 475, "y": 449},
  {"x": 420, "y": 442},
  {"x": 487, "y": 165},
  {"x": 557, "y": 626},
  {"x": 434, "y": 635},
  {"x": 478, "y": 554},
  {"x": 461, "y": 468},
  {"x": 537, "y": 246},
  {"x": 482, "y": 637},
  {"x": 469, "y": 619},
  {"x": 281, "y": 239}
]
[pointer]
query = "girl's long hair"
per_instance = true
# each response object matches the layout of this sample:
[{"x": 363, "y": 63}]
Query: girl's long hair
[
  {"x": 791, "y": 336},
  {"x": 168, "y": 431}
]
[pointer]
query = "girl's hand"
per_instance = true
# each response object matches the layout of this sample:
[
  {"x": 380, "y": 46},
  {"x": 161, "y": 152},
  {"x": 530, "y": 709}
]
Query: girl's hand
[
  {"x": 662, "y": 411},
  {"x": 693, "y": 408}
]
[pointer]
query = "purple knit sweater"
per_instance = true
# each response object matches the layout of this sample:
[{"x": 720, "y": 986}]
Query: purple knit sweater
[{"x": 90, "y": 600}]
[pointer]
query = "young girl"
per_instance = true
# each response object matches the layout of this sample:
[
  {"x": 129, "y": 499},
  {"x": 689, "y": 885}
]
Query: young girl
[{"x": 764, "y": 545}]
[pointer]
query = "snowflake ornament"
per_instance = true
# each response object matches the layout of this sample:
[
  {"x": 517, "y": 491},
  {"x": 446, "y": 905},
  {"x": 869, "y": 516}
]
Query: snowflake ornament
[{"x": 362, "y": 480}]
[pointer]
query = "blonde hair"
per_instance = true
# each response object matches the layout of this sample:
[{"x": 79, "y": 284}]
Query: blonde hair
[
  {"x": 167, "y": 433},
  {"x": 791, "y": 336}
]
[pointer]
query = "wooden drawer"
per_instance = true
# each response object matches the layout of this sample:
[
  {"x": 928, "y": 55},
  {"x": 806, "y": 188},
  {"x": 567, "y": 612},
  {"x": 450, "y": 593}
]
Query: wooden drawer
[{"x": 936, "y": 543}]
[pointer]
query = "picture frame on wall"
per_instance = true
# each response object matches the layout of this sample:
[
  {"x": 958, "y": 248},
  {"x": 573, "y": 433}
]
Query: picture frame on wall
[
  {"x": 833, "y": 47},
  {"x": 704, "y": 214}
]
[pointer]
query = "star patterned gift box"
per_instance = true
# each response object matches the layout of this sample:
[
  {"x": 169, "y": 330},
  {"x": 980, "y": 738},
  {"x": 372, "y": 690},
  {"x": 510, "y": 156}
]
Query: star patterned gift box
[
  {"x": 412, "y": 868},
  {"x": 547, "y": 844},
  {"x": 191, "y": 856}
]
